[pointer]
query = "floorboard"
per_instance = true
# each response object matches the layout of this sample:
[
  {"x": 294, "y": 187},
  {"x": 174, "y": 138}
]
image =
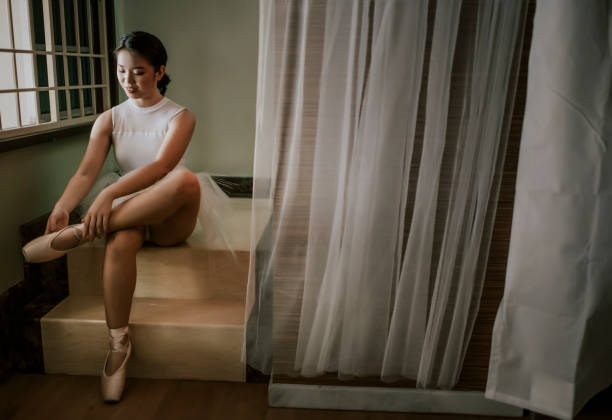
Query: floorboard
[{"x": 26, "y": 396}]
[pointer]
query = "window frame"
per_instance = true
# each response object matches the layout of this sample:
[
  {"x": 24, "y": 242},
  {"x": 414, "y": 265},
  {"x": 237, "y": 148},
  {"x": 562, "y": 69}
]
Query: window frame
[{"x": 48, "y": 132}]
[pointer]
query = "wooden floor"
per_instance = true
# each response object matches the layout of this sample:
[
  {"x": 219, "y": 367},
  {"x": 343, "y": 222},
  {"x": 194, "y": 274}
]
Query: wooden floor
[{"x": 35, "y": 396}]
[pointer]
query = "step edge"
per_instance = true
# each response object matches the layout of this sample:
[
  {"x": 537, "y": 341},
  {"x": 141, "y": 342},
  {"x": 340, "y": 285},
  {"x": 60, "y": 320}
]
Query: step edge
[
  {"x": 53, "y": 320},
  {"x": 239, "y": 306}
]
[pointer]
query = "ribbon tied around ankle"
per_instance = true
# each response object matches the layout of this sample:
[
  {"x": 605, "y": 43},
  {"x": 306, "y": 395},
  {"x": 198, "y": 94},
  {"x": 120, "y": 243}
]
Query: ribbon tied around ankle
[{"x": 116, "y": 338}]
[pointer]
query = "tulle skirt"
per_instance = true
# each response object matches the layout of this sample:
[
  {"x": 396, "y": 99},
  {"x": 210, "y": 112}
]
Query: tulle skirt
[{"x": 213, "y": 204}]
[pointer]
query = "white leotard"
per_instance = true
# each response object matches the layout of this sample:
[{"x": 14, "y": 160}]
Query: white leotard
[{"x": 139, "y": 133}]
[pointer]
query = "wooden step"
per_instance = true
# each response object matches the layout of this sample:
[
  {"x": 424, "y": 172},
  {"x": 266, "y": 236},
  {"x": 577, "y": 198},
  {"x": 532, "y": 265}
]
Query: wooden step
[
  {"x": 199, "y": 268},
  {"x": 172, "y": 338}
]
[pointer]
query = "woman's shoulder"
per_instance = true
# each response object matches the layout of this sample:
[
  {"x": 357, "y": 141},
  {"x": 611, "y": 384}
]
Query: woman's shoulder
[
  {"x": 177, "y": 108},
  {"x": 105, "y": 118},
  {"x": 172, "y": 104},
  {"x": 102, "y": 125},
  {"x": 115, "y": 112}
]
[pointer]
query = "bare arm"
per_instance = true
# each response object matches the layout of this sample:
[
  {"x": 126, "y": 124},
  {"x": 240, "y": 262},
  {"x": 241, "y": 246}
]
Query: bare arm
[
  {"x": 176, "y": 141},
  {"x": 91, "y": 164}
]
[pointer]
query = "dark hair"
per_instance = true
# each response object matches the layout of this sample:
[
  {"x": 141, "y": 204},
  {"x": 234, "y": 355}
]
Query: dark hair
[{"x": 151, "y": 48}]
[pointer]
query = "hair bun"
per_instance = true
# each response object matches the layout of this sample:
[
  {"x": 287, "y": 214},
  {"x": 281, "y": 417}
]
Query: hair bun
[{"x": 163, "y": 82}]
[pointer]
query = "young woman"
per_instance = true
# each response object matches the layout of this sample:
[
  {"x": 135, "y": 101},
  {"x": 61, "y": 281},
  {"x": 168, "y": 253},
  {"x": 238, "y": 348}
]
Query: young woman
[{"x": 156, "y": 199}]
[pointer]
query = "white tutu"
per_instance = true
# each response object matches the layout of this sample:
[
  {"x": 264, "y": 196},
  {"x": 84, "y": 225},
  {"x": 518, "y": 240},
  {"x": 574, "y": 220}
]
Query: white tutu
[{"x": 214, "y": 203}]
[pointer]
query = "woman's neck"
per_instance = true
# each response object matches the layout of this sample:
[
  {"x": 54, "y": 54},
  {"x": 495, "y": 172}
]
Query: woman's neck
[{"x": 148, "y": 101}]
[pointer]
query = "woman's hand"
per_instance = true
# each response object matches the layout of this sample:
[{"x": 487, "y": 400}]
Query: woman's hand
[
  {"x": 57, "y": 220},
  {"x": 96, "y": 219}
]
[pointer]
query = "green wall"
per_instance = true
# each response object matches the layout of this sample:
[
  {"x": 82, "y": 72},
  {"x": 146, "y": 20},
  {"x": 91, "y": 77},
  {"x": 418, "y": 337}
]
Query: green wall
[
  {"x": 213, "y": 66},
  {"x": 212, "y": 61},
  {"x": 33, "y": 179}
]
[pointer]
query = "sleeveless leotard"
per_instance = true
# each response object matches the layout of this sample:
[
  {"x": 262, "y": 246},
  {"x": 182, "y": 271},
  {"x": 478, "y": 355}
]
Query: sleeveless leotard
[{"x": 138, "y": 135}]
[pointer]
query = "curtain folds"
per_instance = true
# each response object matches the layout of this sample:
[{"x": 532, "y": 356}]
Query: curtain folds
[
  {"x": 551, "y": 346},
  {"x": 375, "y": 231}
]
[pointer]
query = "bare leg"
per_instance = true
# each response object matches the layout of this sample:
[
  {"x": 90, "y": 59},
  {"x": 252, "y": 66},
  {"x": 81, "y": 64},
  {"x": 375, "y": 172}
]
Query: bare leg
[
  {"x": 156, "y": 205},
  {"x": 177, "y": 197},
  {"x": 119, "y": 281},
  {"x": 178, "y": 226},
  {"x": 176, "y": 194}
]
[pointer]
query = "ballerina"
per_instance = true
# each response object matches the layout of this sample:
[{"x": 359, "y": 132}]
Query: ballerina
[{"x": 157, "y": 200}]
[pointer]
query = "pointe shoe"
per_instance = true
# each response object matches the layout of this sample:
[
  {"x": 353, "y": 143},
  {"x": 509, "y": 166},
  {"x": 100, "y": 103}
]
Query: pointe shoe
[
  {"x": 41, "y": 250},
  {"x": 112, "y": 386}
]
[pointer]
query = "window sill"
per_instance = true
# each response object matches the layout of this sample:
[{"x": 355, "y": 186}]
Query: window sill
[{"x": 44, "y": 137}]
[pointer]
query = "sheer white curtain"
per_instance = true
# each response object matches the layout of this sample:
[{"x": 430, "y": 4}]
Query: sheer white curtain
[
  {"x": 371, "y": 263},
  {"x": 551, "y": 349}
]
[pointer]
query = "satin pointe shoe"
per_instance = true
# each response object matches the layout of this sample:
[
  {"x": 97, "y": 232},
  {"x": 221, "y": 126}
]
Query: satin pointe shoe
[
  {"x": 112, "y": 386},
  {"x": 41, "y": 249}
]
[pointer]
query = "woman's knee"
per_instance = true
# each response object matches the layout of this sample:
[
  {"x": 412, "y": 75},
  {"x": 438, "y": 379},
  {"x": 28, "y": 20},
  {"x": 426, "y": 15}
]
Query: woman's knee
[
  {"x": 187, "y": 184},
  {"x": 125, "y": 240}
]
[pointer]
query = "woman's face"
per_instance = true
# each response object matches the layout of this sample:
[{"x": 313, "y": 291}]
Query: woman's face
[{"x": 137, "y": 77}]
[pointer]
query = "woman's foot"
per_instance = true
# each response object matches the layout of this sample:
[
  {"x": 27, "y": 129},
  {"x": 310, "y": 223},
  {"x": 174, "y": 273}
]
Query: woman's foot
[
  {"x": 114, "y": 370},
  {"x": 53, "y": 245}
]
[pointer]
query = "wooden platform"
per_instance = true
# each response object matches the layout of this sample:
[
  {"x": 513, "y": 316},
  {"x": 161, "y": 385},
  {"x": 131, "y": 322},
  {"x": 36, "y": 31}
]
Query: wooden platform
[{"x": 187, "y": 315}]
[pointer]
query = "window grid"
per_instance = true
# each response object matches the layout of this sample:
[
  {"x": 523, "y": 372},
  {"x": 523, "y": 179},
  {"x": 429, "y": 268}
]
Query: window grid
[
  {"x": 78, "y": 65},
  {"x": 51, "y": 60},
  {"x": 65, "y": 61},
  {"x": 12, "y": 35},
  {"x": 14, "y": 50},
  {"x": 91, "y": 60},
  {"x": 44, "y": 88},
  {"x": 59, "y": 119},
  {"x": 34, "y": 60},
  {"x": 104, "y": 47}
]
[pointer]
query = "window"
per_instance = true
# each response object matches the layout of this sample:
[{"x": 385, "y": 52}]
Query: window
[{"x": 53, "y": 65}]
